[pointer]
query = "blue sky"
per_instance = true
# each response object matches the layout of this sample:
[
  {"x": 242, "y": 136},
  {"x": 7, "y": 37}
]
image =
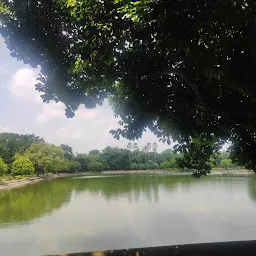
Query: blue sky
[{"x": 22, "y": 111}]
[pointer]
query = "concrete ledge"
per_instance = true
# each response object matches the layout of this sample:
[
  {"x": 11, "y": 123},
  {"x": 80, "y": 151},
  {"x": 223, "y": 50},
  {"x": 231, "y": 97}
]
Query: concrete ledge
[{"x": 243, "y": 248}]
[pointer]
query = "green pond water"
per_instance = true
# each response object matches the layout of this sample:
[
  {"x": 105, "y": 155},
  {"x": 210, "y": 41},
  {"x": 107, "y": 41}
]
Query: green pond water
[{"x": 113, "y": 212}]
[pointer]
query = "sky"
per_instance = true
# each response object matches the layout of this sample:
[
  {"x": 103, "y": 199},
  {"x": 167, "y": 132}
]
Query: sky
[{"x": 22, "y": 111}]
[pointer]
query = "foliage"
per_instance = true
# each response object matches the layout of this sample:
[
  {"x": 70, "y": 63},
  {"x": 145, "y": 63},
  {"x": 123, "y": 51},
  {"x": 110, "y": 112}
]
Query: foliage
[
  {"x": 3, "y": 167},
  {"x": 142, "y": 166},
  {"x": 66, "y": 165},
  {"x": 151, "y": 165},
  {"x": 199, "y": 154},
  {"x": 95, "y": 166},
  {"x": 46, "y": 157},
  {"x": 226, "y": 163},
  {"x": 165, "y": 165},
  {"x": 82, "y": 160},
  {"x": 68, "y": 151},
  {"x": 12, "y": 143},
  {"x": 74, "y": 166},
  {"x": 22, "y": 166},
  {"x": 220, "y": 157},
  {"x": 134, "y": 166},
  {"x": 117, "y": 158},
  {"x": 97, "y": 158},
  {"x": 94, "y": 152},
  {"x": 180, "y": 68}
]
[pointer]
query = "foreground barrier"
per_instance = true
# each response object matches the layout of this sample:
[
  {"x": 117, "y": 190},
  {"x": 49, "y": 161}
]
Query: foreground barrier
[{"x": 243, "y": 248}]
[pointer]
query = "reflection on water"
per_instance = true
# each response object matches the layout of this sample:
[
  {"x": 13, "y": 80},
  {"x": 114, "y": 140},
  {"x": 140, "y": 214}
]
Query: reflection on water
[
  {"x": 85, "y": 214},
  {"x": 30, "y": 202}
]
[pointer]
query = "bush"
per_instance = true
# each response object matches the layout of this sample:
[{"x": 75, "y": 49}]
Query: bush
[
  {"x": 95, "y": 166},
  {"x": 22, "y": 166},
  {"x": 3, "y": 167}
]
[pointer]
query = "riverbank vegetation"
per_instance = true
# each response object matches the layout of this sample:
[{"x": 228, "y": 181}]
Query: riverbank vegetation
[{"x": 22, "y": 155}]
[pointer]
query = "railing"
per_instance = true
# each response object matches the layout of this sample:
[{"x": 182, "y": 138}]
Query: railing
[{"x": 243, "y": 248}]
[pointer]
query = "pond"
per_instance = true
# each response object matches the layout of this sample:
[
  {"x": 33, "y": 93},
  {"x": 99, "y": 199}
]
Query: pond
[{"x": 124, "y": 211}]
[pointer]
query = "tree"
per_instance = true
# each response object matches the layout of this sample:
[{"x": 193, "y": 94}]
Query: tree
[
  {"x": 66, "y": 165},
  {"x": 117, "y": 158},
  {"x": 220, "y": 157},
  {"x": 95, "y": 166},
  {"x": 129, "y": 147},
  {"x": 94, "y": 152},
  {"x": 96, "y": 160},
  {"x": 165, "y": 165},
  {"x": 151, "y": 165},
  {"x": 46, "y": 157},
  {"x": 142, "y": 166},
  {"x": 134, "y": 166},
  {"x": 154, "y": 147},
  {"x": 3, "y": 167},
  {"x": 226, "y": 163},
  {"x": 22, "y": 166},
  {"x": 82, "y": 159},
  {"x": 68, "y": 151},
  {"x": 166, "y": 155},
  {"x": 183, "y": 69},
  {"x": 13, "y": 143}
]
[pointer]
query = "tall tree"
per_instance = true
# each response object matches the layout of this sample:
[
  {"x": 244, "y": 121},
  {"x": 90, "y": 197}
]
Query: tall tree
[
  {"x": 154, "y": 147},
  {"x": 82, "y": 159},
  {"x": 129, "y": 147},
  {"x": 117, "y": 158},
  {"x": 68, "y": 151},
  {"x": 94, "y": 152},
  {"x": 46, "y": 157},
  {"x": 12, "y": 143},
  {"x": 180, "y": 68}
]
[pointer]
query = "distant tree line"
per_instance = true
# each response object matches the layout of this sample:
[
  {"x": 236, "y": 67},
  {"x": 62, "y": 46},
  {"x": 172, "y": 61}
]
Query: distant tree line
[{"x": 28, "y": 154}]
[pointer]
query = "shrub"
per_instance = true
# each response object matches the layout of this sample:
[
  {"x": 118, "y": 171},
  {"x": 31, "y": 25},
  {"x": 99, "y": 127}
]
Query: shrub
[{"x": 22, "y": 166}]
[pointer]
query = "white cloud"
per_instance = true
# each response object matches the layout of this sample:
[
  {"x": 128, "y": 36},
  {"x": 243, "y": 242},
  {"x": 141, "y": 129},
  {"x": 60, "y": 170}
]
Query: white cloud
[
  {"x": 23, "y": 85},
  {"x": 68, "y": 132},
  {"x": 51, "y": 112},
  {"x": 89, "y": 129}
]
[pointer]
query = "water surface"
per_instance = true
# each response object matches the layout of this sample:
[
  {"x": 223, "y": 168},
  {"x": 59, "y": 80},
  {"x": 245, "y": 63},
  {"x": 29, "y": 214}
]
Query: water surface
[{"x": 124, "y": 211}]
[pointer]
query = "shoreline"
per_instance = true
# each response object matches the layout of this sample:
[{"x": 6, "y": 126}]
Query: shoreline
[
  {"x": 213, "y": 172},
  {"x": 12, "y": 184}
]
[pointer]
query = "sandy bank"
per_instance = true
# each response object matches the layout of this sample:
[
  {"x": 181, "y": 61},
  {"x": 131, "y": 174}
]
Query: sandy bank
[
  {"x": 10, "y": 184},
  {"x": 18, "y": 183}
]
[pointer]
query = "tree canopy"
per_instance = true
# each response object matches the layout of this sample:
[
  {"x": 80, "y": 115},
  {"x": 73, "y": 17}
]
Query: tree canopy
[
  {"x": 13, "y": 143},
  {"x": 181, "y": 68}
]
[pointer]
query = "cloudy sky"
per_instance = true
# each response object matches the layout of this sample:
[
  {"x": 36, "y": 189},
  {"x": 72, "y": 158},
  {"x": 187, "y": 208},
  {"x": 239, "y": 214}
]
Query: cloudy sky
[{"x": 22, "y": 111}]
